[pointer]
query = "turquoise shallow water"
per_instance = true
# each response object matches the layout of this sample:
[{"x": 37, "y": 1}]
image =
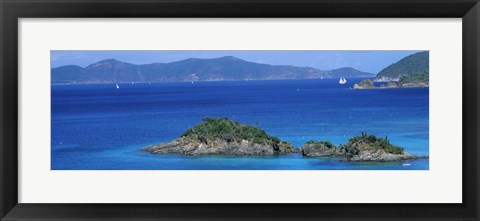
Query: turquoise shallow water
[{"x": 96, "y": 127}]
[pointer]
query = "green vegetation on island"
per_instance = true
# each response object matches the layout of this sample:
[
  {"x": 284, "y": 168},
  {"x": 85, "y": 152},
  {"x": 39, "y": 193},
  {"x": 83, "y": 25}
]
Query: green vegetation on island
[
  {"x": 228, "y": 130},
  {"x": 372, "y": 142},
  {"x": 390, "y": 84},
  {"x": 221, "y": 136},
  {"x": 318, "y": 144},
  {"x": 364, "y": 84},
  {"x": 319, "y": 149},
  {"x": 359, "y": 148}
]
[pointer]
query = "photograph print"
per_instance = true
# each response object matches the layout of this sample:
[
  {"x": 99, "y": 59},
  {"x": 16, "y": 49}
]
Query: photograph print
[{"x": 239, "y": 110}]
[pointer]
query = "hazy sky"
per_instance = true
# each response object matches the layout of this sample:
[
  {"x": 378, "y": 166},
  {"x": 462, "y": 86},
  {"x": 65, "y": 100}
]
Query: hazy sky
[{"x": 369, "y": 61}]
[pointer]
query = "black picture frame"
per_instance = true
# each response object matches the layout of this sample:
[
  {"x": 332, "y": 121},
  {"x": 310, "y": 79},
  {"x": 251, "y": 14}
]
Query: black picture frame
[{"x": 12, "y": 10}]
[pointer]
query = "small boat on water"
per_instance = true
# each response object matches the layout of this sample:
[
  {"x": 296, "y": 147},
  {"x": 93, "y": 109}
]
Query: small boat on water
[
  {"x": 117, "y": 86},
  {"x": 342, "y": 81}
]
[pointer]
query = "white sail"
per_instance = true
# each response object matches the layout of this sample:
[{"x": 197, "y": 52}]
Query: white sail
[
  {"x": 342, "y": 81},
  {"x": 117, "y": 85}
]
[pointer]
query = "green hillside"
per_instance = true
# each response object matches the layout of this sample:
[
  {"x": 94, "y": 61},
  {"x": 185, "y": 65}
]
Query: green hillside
[
  {"x": 410, "y": 65},
  {"x": 414, "y": 80}
]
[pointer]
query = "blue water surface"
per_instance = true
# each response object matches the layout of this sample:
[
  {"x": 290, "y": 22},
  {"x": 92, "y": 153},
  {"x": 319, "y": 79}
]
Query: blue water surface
[{"x": 99, "y": 127}]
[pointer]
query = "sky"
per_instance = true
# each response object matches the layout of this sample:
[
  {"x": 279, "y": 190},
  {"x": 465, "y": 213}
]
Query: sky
[{"x": 368, "y": 61}]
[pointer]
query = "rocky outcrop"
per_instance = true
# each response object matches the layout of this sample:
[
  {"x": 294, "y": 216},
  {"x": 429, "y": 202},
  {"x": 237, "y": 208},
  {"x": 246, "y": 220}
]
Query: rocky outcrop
[
  {"x": 223, "y": 137},
  {"x": 390, "y": 84},
  {"x": 365, "y": 84},
  {"x": 416, "y": 84},
  {"x": 320, "y": 149},
  {"x": 362, "y": 148},
  {"x": 385, "y": 79},
  {"x": 188, "y": 146},
  {"x": 361, "y": 151}
]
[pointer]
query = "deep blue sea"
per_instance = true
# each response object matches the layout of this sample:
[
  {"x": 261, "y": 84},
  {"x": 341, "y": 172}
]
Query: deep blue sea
[{"x": 99, "y": 127}]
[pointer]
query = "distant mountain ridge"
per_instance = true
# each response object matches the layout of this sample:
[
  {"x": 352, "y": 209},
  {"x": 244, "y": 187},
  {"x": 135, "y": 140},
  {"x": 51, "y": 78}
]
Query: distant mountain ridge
[
  {"x": 348, "y": 72},
  {"x": 192, "y": 69}
]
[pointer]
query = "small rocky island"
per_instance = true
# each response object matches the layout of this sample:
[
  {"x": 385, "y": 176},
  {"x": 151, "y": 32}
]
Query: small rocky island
[
  {"x": 390, "y": 84},
  {"x": 362, "y": 148},
  {"x": 364, "y": 84},
  {"x": 221, "y": 136}
]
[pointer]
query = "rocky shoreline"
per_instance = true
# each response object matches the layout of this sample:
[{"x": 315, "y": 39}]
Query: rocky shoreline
[
  {"x": 368, "y": 84},
  {"x": 358, "y": 150},
  {"x": 225, "y": 137},
  {"x": 219, "y": 147}
]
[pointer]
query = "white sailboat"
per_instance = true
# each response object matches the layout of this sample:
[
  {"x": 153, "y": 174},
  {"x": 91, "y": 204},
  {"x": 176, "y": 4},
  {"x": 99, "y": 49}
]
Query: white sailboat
[
  {"x": 342, "y": 81},
  {"x": 117, "y": 86}
]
